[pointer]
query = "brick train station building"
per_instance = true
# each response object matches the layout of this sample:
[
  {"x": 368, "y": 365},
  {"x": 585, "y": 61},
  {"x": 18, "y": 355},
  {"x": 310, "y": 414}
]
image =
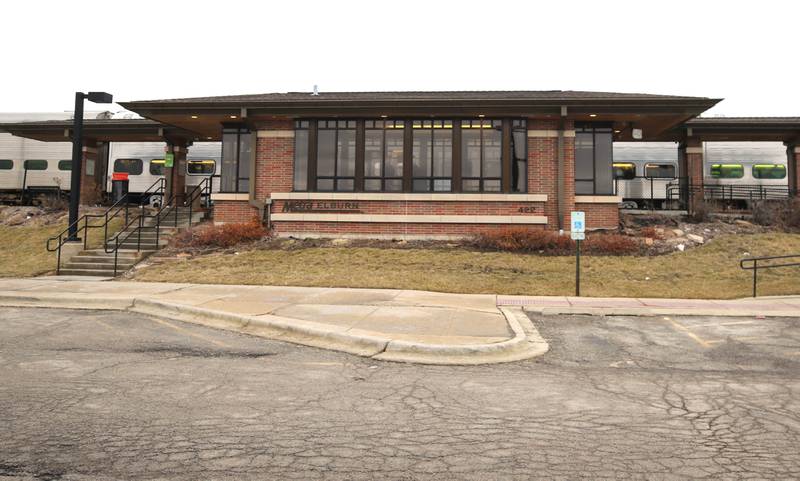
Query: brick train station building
[{"x": 430, "y": 164}]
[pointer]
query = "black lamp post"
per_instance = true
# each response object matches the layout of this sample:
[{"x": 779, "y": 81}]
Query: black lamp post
[{"x": 77, "y": 147}]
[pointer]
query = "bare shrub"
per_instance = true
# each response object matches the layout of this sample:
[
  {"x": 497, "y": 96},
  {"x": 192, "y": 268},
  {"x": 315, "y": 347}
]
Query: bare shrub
[
  {"x": 226, "y": 235},
  {"x": 549, "y": 242}
]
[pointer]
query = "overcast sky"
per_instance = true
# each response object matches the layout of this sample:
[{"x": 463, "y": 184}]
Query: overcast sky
[{"x": 745, "y": 52}]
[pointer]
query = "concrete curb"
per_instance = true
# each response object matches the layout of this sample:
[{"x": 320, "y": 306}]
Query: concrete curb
[
  {"x": 525, "y": 344},
  {"x": 657, "y": 311}
]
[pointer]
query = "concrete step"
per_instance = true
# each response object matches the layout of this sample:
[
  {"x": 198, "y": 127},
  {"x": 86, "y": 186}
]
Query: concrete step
[
  {"x": 109, "y": 259},
  {"x": 96, "y": 266},
  {"x": 89, "y": 272},
  {"x": 102, "y": 252}
]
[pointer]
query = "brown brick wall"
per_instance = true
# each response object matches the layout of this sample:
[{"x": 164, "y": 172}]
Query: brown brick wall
[
  {"x": 91, "y": 191},
  {"x": 600, "y": 216},
  {"x": 366, "y": 229},
  {"x": 227, "y": 212}
]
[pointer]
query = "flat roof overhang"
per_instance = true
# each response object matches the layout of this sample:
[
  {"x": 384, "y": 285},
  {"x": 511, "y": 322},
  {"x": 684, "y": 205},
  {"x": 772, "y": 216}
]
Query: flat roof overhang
[
  {"x": 653, "y": 114},
  {"x": 764, "y": 129},
  {"x": 100, "y": 130}
]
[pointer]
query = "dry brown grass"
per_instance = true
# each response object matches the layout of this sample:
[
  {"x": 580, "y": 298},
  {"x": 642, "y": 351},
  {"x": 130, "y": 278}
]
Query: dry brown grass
[
  {"x": 710, "y": 271},
  {"x": 24, "y": 254}
]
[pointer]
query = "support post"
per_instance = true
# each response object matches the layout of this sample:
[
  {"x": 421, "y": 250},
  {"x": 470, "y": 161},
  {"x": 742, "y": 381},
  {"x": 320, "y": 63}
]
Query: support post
[{"x": 77, "y": 160}]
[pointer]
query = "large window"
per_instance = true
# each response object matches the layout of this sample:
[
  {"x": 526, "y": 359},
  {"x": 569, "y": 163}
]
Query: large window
[
  {"x": 236, "y": 153},
  {"x": 662, "y": 171},
  {"x": 129, "y": 166},
  {"x": 35, "y": 164},
  {"x": 727, "y": 171},
  {"x": 481, "y": 155},
  {"x": 432, "y": 155},
  {"x": 6, "y": 164},
  {"x": 301, "y": 139},
  {"x": 201, "y": 166},
  {"x": 519, "y": 153},
  {"x": 624, "y": 170},
  {"x": 157, "y": 166},
  {"x": 336, "y": 155},
  {"x": 411, "y": 155},
  {"x": 383, "y": 155},
  {"x": 769, "y": 171},
  {"x": 593, "y": 160}
]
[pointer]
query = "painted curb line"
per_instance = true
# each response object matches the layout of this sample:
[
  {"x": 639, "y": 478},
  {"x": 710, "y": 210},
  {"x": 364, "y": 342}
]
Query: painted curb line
[{"x": 525, "y": 343}]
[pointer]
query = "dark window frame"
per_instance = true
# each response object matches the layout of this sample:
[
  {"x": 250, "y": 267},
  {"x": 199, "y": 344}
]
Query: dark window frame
[
  {"x": 594, "y": 128},
  {"x": 384, "y": 126},
  {"x": 26, "y": 165},
  {"x": 336, "y": 126},
  {"x": 306, "y": 127},
  {"x": 509, "y": 159},
  {"x": 240, "y": 131},
  {"x": 432, "y": 126},
  {"x": 10, "y": 164},
  {"x": 482, "y": 125},
  {"x": 61, "y": 164},
  {"x": 720, "y": 167}
]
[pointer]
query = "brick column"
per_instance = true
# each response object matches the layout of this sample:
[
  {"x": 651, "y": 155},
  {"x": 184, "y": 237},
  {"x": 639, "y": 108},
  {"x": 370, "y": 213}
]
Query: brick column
[
  {"x": 693, "y": 160},
  {"x": 176, "y": 175},
  {"x": 274, "y": 160},
  {"x": 543, "y": 166},
  {"x": 91, "y": 190},
  {"x": 793, "y": 162}
]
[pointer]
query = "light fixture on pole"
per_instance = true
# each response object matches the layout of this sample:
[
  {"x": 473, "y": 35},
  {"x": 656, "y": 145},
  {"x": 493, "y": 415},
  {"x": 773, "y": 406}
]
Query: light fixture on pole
[{"x": 77, "y": 148}]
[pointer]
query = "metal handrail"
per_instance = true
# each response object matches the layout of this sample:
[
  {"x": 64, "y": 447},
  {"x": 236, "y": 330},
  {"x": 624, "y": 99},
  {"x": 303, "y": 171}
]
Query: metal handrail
[
  {"x": 121, "y": 205},
  {"x": 751, "y": 263},
  {"x": 203, "y": 188}
]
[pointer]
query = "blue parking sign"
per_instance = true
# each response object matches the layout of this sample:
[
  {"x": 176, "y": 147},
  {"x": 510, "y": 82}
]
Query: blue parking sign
[{"x": 578, "y": 222}]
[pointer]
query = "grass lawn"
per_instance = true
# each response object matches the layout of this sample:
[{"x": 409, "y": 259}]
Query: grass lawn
[
  {"x": 709, "y": 271},
  {"x": 24, "y": 253}
]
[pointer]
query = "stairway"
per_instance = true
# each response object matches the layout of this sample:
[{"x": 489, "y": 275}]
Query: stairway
[{"x": 133, "y": 249}]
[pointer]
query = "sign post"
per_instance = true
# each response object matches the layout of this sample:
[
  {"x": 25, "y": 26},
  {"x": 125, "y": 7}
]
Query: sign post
[{"x": 578, "y": 233}]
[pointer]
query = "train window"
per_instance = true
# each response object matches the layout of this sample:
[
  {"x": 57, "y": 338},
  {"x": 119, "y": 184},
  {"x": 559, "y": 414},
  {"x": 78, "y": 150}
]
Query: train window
[
  {"x": 64, "y": 165},
  {"x": 659, "y": 171},
  {"x": 624, "y": 170},
  {"x": 157, "y": 167},
  {"x": 129, "y": 166},
  {"x": 769, "y": 171},
  {"x": 35, "y": 164},
  {"x": 727, "y": 171},
  {"x": 201, "y": 167},
  {"x": 6, "y": 164}
]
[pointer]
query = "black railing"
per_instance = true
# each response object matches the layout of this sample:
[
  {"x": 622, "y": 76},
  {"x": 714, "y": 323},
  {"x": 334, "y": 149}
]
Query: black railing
[
  {"x": 682, "y": 188},
  {"x": 169, "y": 207},
  {"x": 649, "y": 189},
  {"x": 752, "y": 263},
  {"x": 121, "y": 206}
]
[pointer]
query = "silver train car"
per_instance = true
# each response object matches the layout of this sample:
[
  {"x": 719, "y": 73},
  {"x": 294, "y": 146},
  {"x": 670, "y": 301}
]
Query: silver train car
[
  {"x": 144, "y": 164},
  {"x": 31, "y": 171},
  {"x": 736, "y": 173}
]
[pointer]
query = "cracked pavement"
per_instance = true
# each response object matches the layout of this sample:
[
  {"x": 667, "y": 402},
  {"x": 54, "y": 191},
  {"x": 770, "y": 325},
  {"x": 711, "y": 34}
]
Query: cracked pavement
[{"x": 99, "y": 395}]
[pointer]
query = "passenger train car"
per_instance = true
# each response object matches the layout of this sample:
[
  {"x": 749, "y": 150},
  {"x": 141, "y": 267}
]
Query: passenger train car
[
  {"x": 647, "y": 174},
  {"x": 32, "y": 171},
  {"x": 144, "y": 164},
  {"x": 35, "y": 169}
]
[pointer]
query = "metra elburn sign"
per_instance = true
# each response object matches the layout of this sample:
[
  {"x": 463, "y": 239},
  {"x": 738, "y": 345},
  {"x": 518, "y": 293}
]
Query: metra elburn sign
[{"x": 319, "y": 206}]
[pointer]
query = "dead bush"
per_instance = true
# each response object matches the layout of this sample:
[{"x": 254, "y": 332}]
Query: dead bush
[
  {"x": 767, "y": 212},
  {"x": 791, "y": 215},
  {"x": 701, "y": 212},
  {"x": 225, "y": 235},
  {"x": 551, "y": 243}
]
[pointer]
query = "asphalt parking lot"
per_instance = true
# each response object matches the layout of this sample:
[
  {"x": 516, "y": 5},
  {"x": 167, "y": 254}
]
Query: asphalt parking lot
[{"x": 109, "y": 395}]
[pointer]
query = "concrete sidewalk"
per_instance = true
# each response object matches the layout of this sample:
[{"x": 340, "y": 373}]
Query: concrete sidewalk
[
  {"x": 780, "y": 306},
  {"x": 394, "y": 325}
]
